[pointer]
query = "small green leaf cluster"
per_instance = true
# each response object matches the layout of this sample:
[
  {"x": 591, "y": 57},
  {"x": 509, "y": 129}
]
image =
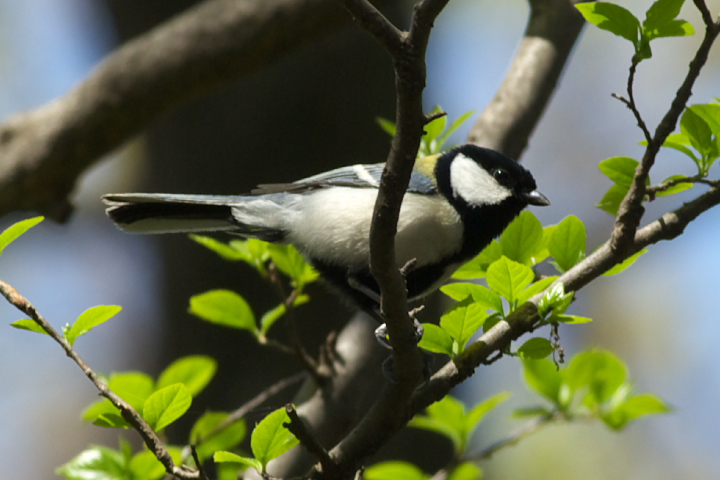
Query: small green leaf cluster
[
  {"x": 699, "y": 136},
  {"x": 698, "y": 139},
  {"x": 437, "y": 132},
  {"x": 450, "y": 418},
  {"x": 99, "y": 462},
  {"x": 159, "y": 402},
  {"x": 660, "y": 21},
  {"x": 230, "y": 309},
  {"x": 269, "y": 440},
  {"x": 89, "y": 319},
  {"x": 507, "y": 267},
  {"x": 593, "y": 385}
]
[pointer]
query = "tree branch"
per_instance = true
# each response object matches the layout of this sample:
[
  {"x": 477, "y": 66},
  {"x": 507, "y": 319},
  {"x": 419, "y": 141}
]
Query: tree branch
[
  {"x": 511, "y": 116},
  {"x": 128, "y": 412},
  {"x": 525, "y": 318},
  {"x": 631, "y": 209},
  {"x": 43, "y": 151}
]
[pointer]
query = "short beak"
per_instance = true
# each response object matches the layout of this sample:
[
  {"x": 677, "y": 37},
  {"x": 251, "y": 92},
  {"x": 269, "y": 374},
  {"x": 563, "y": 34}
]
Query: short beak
[{"x": 536, "y": 198}]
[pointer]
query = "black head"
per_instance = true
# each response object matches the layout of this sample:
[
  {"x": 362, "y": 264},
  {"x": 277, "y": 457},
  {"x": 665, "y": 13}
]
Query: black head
[
  {"x": 475, "y": 177},
  {"x": 488, "y": 189}
]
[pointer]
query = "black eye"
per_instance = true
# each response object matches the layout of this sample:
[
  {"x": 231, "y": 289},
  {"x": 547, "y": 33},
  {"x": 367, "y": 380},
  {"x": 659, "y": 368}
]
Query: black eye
[{"x": 502, "y": 177}]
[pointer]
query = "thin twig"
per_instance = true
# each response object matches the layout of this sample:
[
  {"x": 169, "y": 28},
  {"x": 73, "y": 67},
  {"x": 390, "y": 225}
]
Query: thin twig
[
  {"x": 198, "y": 463},
  {"x": 254, "y": 403},
  {"x": 655, "y": 189},
  {"x": 631, "y": 210},
  {"x": 297, "y": 427},
  {"x": 127, "y": 411},
  {"x": 297, "y": 348},
  {"x": 630, "y": 102},
  {"x": 531, "y": 427},
  {"x": 523, "y": 319}
]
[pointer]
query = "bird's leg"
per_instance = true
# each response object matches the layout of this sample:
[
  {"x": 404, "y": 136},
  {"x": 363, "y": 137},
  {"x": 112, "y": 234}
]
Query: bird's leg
[{"x": 381, "y": 332}]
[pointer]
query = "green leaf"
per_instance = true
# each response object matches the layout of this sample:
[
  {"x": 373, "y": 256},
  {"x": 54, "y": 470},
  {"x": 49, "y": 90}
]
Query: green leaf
[
  {"x": 509, "y": 278},
  {"x": 166, "y": 405},
  {"x": 133, "y": 387},
  {"x": 465, "y": 471},
  {"x": 271, "y": 438},
  {"x": 479, "y": 293},
  {"x": 536, "y": 348},
  {"x": 635, "y": 407},
  {"x": 273, "y": 315},
  {"x": 680, "y": 187},
  {"x": 679, "y": 142},
  {"x": 535, "y": 288},
  {"x": 660, "y": 20},
  {"x": 437, "y": 340},
  {"x": 625, "y": 263},
  {"x": 96, "y": 463},
  {"x": 610, "y": 203},
  {"x": 697, "y": 131},
  {"x": 602, "y": 372},
  {"x": 612, "y": 18},
  {"x": 662, "y": 12},
  {"x": 478, "y": 412},
  {"x": 291, "y": 263},
  {"x": 225, "y": 439},
  {"x": 146, "y": 466},
  {"x": 225, "y": 457},
  {"x": 620, "y": 170},
  {"x": 455, "y": 125},
  {"x": 676, "y": 28},
  {"x": 710, "y": 113},
  {"x": 463, "y": 320},
  {"x": 193, "y": 371},
  {"x": 223, "y": 249},
  {"x": 89, "y": 319},
  {"x": 555, "y": 299},
  {"x": 110, "y": 420},
  {"x": 394, "y": 470},
  {"x": 477, "y": 267},
  {"x": 15, "y": 230},
  {"x": 522, "y": 240},
  {"x": 446, "y": 417},
  {"x": 28, "y": 324},
  {"x": 543, "y": 377},
  {"x": 571, "y": 319},
  {"x": 434, "y": 129},
  {"x": 224, "y": 307},
  {"x": 388, "y": 126},
  {"x": 568, "y": 243}
]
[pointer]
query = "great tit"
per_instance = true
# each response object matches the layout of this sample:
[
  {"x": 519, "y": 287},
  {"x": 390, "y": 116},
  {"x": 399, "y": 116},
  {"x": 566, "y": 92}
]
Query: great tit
[{"x": 455, "y": 204}]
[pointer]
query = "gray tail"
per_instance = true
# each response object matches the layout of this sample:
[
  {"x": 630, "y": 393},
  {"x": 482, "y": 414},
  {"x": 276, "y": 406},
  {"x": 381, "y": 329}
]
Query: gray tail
[{"x": 165, "y": 213}]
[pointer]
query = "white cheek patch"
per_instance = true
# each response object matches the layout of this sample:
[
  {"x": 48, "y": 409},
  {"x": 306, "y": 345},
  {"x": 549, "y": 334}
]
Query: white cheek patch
[{"x": 474, "y": 184}]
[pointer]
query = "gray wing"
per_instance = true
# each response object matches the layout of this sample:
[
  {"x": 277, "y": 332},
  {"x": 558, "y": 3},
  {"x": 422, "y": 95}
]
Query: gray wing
[{"x": 355, "y": 176}]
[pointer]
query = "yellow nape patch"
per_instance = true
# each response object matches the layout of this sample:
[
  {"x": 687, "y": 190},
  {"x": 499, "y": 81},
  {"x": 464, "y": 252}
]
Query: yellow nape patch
[{"x": 426, "y": 166}]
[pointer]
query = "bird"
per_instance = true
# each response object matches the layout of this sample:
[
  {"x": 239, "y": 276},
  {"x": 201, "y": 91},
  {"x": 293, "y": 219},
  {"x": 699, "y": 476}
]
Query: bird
[{"x": 456, "y": 203}]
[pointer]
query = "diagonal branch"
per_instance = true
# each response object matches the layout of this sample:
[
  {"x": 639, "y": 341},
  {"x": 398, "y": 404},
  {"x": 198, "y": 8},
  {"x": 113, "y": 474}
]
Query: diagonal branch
[
  {"x": 511, "y": 116},
  {"x": 43, "y": 151},
  {"x": 524, "y": 319},
  {"x": 631, "y": 210},
  {"x": 128, "y": 412}
]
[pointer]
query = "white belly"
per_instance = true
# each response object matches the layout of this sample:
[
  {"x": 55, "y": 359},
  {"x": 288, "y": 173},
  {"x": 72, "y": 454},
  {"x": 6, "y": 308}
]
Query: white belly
[{"x": 334, "y": 225}]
